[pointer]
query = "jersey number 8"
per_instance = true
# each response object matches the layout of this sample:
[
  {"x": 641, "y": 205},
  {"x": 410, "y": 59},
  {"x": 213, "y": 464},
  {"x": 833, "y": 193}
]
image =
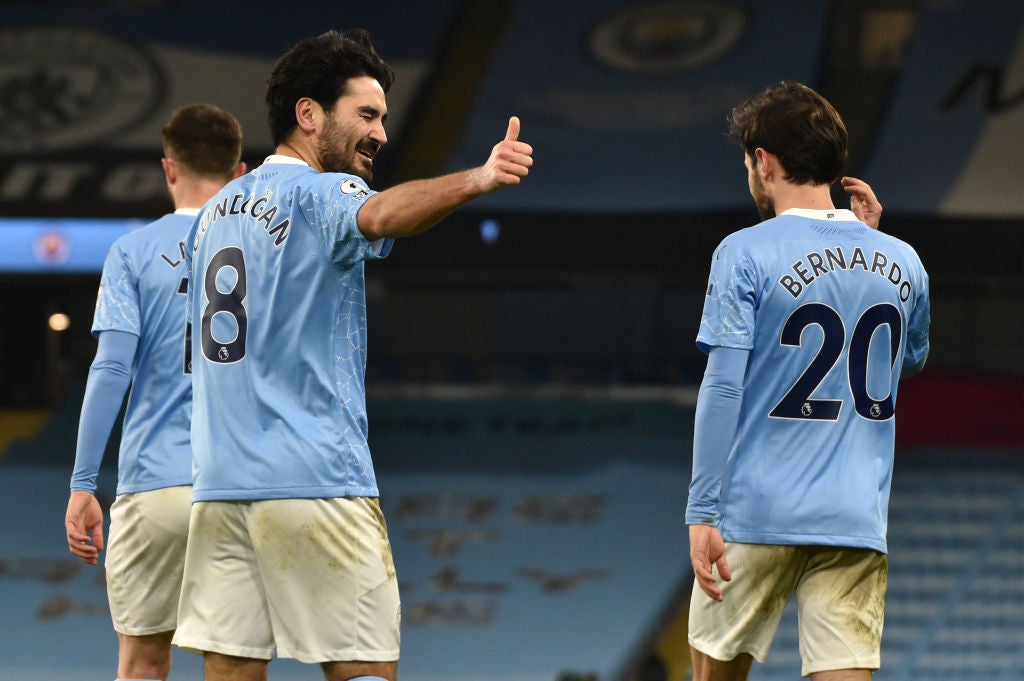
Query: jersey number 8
[{"x": 224, "y": 302}]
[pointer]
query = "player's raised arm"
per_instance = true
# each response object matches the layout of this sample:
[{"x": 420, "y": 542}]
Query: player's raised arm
[
  {"x": 509, "y": 162},
  {"x": 863, "y": 201},
  {"x": 413, "y": 207}
]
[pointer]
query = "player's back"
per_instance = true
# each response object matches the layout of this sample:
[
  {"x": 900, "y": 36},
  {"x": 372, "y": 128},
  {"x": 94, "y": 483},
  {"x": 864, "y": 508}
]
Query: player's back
[
  {"x": 142, "y": 292},
  {"x": 832, "y": 308},
  {"x": 280, "y": 338}
]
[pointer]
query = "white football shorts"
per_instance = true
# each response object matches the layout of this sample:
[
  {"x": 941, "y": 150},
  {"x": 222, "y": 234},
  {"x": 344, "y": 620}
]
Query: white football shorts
[
  {"x": 312, "y": 578},
  {"x": 840, "y": 594},
  {"x": 145, "y": 559}
]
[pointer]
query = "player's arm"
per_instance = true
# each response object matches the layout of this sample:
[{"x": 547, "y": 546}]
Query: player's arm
[
  {"x": 413, "y": 207},
  {"x": 918, "y": 325},
  {"x": 717, "y": 416},
  {"x": 863, "y": 201},
  {"x": 913, "y": 368},
  {"x": 109, "y": 377}
]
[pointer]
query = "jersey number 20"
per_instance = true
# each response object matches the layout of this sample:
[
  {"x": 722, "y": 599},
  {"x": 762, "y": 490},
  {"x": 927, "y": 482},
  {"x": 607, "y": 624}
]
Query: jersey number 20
[{"x": 797, "y": 403}]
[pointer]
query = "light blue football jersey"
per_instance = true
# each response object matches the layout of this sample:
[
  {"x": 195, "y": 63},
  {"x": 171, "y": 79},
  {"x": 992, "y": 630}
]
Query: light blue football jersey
[
  {"x": 142, "y": 292},
  {"x": 278, "y": 315},
  {"x": 830, "y": 311}
]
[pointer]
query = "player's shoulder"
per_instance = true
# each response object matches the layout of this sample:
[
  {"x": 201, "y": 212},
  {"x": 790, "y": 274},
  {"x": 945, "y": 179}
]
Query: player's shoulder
[
  {"x": 891, "y": 240},
  {"x": 276, "y": 171},
  {"x": 344, "y": 185},
  {"x": 748, "y": 240},
  {"x": 157, "y": 230},
  {"x": 334, "y": 192},
  {"x": 238, "y": 185},
  {"x": 894, "y": 244},
  {"x": 748, "y": 235}
]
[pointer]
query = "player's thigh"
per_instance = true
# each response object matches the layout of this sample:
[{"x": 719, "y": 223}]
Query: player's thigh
[
  {"x": 745, "y": 621},
  {"x": 223, "y": 606},
  {"x": 841, "y": 600},
  {"x": 145, "y": 559},
  {"x": 330, "y": 578}
]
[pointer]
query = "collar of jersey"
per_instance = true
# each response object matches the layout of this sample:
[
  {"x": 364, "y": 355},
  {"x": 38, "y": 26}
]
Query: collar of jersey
[
  {"x": 281, "y": 158},
  {"x": 834, "y": 214}
]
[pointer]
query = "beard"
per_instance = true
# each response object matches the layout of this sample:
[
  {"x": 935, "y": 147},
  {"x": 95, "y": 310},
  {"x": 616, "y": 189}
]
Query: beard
[
  {"x": 333, "y": 156},
  {"x": 765, "y": 204}
]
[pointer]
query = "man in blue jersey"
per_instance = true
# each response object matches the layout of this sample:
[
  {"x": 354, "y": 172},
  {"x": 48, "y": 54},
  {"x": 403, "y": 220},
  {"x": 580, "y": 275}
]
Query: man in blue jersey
[
  {"x": 811, "y": 317},
  {"x": 288, "y": 553},
  {"x": 140, "y": 323}
]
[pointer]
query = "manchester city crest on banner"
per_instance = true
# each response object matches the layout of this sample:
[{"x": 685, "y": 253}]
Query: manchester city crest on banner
[
  {"x": 63, "y": 87},
  {"x": 662, "y": 38}
]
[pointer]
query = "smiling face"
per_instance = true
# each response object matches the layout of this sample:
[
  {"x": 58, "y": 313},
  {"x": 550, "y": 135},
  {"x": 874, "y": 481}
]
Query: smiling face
[{"x": 353, "y": 132}]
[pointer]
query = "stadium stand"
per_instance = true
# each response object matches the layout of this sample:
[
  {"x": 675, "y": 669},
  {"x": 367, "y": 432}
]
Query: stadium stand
[
  {"x": 540, "y": 537},
  {"x": 533, "y": 538}
]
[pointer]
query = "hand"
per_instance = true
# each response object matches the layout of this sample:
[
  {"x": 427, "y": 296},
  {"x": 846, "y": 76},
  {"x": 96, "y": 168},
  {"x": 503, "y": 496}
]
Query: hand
[
  {"x": 863, "y": 202},
  {"x": 707, "y": 548},
  {"x": 84, "y": 524},
  {"x": 509, "y": 162}
]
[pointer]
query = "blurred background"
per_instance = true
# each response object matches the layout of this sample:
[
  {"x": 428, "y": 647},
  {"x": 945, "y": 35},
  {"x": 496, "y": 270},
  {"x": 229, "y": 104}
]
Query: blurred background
[{"x": 532, "y": 367}]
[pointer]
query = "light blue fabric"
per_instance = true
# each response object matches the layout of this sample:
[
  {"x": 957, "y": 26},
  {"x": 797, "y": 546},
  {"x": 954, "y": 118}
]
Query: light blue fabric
[
  {"x": 830, "y": 312},
  {"x": 714, "y": 428},
  {"x": 278, "y": 311},
  {"x": 109, "y": 377},
  {"x": 142, "y": 294}
]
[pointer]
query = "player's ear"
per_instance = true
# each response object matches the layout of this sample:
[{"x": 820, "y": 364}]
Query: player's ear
[
  {"x": 764, "y": 162},
  {"x": 307, "y": 113},
  {"x": 170, "y": 170},
  {"x": 239, "y": 170}
]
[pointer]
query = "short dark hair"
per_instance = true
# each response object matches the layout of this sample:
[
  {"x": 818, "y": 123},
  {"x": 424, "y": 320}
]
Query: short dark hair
[
  {"x": 319, "y": 68},
  {"x": 205, "y": 139},
  {"x": 796, "y": 124}
]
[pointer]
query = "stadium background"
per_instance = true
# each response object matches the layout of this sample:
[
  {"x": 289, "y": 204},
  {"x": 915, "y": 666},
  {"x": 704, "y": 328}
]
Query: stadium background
[{"x": 532, "y": 367}]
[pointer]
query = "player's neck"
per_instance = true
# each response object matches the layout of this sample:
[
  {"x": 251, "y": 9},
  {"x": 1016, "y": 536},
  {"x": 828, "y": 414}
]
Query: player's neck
[
  {"x": 806, "y": 196},
  {"x": 300, "y": 148},
  {"x": 194, "y": 194}
]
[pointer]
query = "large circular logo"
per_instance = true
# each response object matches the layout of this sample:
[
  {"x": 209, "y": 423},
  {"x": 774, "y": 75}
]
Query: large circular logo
[
  {"x": 64, "y": 87},
  {"x": 666, "y": 37}
]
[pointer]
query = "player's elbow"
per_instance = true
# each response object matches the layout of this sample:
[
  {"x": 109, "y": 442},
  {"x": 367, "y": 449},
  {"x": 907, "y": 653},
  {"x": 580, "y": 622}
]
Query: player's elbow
[
  {"x": 914, "y": 367},
  {"x": 110, "y": 368}
]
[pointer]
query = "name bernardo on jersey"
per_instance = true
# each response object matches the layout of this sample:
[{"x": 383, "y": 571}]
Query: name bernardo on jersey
[
  {"x": 829, "y": 260},
  {"x": 241, "y": 204}
]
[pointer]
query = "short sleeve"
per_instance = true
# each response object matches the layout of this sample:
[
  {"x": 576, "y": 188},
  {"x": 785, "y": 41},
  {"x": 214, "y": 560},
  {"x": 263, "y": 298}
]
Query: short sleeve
[
  {"x": 117, "y": 304},
  {"x": 334, "y": 205},
  {"x": 730, "y": 302}
]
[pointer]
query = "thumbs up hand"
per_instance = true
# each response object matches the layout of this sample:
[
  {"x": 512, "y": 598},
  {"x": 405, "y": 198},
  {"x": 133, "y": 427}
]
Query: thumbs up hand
[{"x": 509, "y": 162}]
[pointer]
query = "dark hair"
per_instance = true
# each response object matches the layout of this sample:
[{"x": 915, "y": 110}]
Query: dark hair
[
  {"x": 796, "y": 124},
  {"x": 319, "y": 68},
  {"x": 205, "y": 139}
]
